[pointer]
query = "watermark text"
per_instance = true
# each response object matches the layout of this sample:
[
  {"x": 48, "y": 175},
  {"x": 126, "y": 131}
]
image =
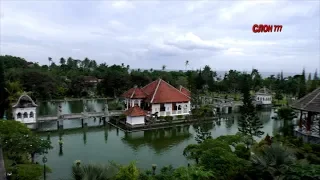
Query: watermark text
[{"x": 266, "y": 28}]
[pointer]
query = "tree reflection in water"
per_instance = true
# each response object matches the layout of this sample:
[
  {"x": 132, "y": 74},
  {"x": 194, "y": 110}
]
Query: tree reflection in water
[
  {"x": 85, "y": 136},
  {"x": 106, "y": 133},
  {"x": 160, "y": 140}
]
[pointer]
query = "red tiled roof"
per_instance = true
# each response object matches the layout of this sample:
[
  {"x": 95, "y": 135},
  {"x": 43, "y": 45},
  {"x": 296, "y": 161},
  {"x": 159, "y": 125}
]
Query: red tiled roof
[
  {"x": 150, "y": 88},
  {"x": 160, "y": 91},
  {"x": 134, "y": 93},
  {"x": 135, "y": 111},
  {"x": 185, "y": 91}
]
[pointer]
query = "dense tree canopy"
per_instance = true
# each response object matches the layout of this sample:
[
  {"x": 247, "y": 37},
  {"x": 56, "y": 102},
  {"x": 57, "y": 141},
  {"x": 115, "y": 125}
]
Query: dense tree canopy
[{"x": 67, "y": 77}]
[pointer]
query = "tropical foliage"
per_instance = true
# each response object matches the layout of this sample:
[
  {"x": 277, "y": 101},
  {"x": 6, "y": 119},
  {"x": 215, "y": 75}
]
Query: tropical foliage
[
  {"x": 20, "y": 146},
  {"x": 225, "y": 158},
  {"x": 66, "y": 77}
]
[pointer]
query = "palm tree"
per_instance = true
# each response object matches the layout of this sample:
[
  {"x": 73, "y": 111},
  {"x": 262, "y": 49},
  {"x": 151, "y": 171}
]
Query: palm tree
[
  {"x": 186, "y": 64},
  {"x": 15, "y": 90},
  {"x": 273, "y": 160},
  {"x": 163, "y": 67},
  {"x": 50, "y": 61},
  {"x": 62, "y": 61}
]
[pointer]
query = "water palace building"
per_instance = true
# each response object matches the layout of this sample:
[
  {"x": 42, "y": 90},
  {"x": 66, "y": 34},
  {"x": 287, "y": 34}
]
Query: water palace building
[
  {"x": 25, "y": 111},
  {"x": 263, "y": 97},
  {"x": 156, "y": 98},
  {"x": 309, "y": 119}
]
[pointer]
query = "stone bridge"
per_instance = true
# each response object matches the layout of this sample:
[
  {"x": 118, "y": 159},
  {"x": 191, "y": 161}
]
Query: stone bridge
[
  {"x": 80, "y": 115},
  {"x": 221, "y": 104}
]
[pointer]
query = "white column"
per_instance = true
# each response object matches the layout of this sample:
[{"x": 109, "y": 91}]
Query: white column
[
  {"x": 139, "y": 103},
  {"x": 127, "y": 102},
  {"x": 226, "y": 109}
]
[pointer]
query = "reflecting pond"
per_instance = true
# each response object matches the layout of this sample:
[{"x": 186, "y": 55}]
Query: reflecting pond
[{"x": 103, "y": 144}]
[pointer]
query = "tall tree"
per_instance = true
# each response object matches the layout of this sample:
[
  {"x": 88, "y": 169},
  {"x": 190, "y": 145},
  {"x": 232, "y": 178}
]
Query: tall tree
[
  {"x": 314, "y": 82},
  {"x": 62, "y": 61},
  {"x": 302, "y": 85},
  {"x": 50, "y": 60},
  {"x": 186, "y": 64},
  {"x": 256, "y": 79},
  {"x": 249, "y": 123},
  {"x": 164, "y": 67},
  {"x": 202, "y": 134},
  {"x": 3, "y": 91}
]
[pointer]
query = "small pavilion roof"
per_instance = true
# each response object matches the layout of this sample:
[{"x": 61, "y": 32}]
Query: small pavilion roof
[
  {"x": 135, "y": 111},
  {"x": 25, "y": 101},
  {"x": 310, "y": 102},
  {"x": 263, "y": 91},
  {"x": 134, "y": 93}
]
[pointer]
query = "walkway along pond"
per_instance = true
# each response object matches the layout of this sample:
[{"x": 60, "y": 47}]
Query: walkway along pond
[{"x": 103, "y": 144}]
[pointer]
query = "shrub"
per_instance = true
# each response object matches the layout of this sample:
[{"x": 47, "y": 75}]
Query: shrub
[
  {"x": 307, "y": 148},
  {"x": 179, "y": 116},
  {"x": 122, "y": 117},
  {"x": 168, "y": 118},
  {"x": 315, "y": 148},
  {"x": 242, "y": 152},
  {"x": 115, "y": 105},
  {"x": 30, "y": 171},
  {"x": 313, "y": 159}
]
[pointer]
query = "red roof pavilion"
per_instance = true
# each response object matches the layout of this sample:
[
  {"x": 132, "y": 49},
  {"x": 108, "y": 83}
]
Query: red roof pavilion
[
  {"x": 159, "y": 91},
  {"x": 135, "y": 111},
  {"x": 134, "y": 93}
]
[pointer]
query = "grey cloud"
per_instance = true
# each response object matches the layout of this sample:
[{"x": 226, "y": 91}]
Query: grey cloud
[{"x": 148, "y": 34}]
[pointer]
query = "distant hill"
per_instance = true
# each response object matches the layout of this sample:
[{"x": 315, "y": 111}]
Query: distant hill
[{"x": 222, "y": 73}]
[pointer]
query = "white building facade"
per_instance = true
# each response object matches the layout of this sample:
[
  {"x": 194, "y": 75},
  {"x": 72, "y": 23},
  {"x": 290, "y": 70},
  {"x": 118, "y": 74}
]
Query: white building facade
[
  {"x": 159, "y": 97},
  {"x": 264, "y": 96},
  {"x": 135, "y": 116},
  {"x": 171, "y": 109},
  {"x": 135, "y": 120},
  {"x": 25, "y": 111}
]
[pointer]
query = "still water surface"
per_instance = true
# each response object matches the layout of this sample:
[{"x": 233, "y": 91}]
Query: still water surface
[{"x": 103, "y": 144}]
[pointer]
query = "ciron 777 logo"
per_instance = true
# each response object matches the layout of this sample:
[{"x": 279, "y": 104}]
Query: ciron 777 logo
[{"x": 265, "y": 28}]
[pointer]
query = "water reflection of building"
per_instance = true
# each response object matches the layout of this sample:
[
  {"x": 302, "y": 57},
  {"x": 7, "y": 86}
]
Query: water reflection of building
[
  {"x": 159, "y": 140},
  {"x": 25, "y": 111},
  {"x": 265, "y": 116}
]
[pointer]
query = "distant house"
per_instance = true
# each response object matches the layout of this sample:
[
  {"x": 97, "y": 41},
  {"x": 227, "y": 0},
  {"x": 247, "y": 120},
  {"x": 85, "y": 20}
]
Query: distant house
[
  {"x": 25, "y": 111},
  {"x": 159, "y": 97},
  {"x": 263, "y": 96},
  {"x": 30, "y": 64},
  {"x": 90, "y": 79}
]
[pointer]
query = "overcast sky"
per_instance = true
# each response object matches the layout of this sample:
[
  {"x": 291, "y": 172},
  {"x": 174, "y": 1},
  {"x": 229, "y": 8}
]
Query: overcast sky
[{"x": 149, "y": 34}]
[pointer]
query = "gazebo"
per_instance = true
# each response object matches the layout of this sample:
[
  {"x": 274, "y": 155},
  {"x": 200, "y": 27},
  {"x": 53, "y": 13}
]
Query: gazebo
[{"x": 309, "y": 121}]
